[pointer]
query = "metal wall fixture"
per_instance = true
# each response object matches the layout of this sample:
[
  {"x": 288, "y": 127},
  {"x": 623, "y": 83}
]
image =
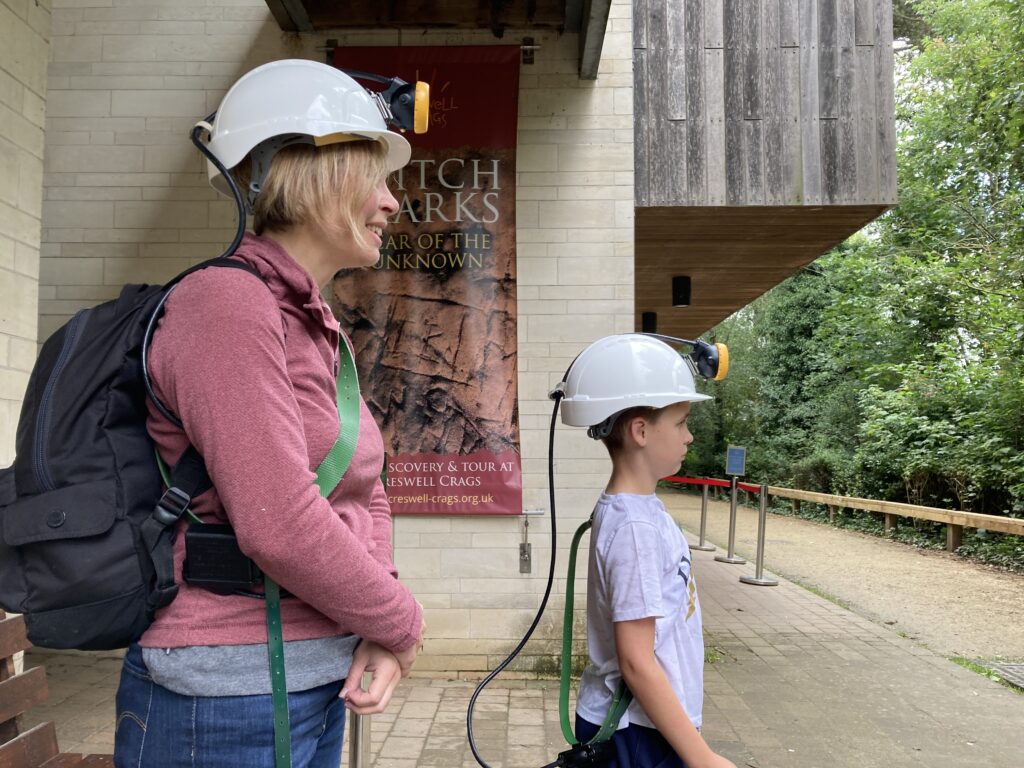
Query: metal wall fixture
[{"x": 681, "y": 291}]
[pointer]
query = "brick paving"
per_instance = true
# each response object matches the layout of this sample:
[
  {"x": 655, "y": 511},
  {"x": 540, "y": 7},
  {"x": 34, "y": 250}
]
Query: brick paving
[{"x": 795, "y": 682}]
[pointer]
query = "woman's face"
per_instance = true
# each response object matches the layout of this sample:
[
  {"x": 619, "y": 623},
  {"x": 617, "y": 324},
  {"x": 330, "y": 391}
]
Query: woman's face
[{"x": 362, "y": 249}]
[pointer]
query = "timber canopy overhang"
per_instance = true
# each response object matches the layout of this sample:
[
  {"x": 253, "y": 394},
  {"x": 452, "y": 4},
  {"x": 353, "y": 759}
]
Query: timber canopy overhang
[{"x": 588, "y": 18}]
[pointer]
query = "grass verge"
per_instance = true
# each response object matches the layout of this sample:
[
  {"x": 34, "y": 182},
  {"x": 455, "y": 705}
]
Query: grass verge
[{"x": 981, "y": 669}]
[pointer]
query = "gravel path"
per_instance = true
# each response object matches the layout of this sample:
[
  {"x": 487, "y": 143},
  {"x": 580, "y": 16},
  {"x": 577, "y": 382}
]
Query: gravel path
[{"x": 952, "y": 606}]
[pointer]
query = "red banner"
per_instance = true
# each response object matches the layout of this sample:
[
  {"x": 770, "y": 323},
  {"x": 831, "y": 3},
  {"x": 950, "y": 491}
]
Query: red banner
[{"x": 434, "y": 321}]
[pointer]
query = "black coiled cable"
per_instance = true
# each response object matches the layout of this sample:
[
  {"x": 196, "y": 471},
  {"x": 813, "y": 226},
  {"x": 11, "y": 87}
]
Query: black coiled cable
[
  {"x": 557, "y": 397},
  {"x": 235, "y": 191},
  {"x": 159, "y": 309}
]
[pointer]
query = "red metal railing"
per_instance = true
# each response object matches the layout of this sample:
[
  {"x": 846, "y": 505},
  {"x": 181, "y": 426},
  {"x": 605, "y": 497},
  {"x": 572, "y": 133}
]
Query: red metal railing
[{"x": 711, "y": 481}]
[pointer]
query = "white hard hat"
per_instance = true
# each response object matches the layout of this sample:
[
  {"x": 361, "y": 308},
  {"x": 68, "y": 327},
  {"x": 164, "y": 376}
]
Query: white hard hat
[
  {"x": 297, "y": 96},
  {"x": 620, "y": 372}
]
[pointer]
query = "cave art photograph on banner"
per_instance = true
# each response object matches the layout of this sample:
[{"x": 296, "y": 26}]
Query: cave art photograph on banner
[{"x": 433, "y": 323}]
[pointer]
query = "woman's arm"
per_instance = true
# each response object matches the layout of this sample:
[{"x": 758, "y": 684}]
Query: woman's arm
[
  {"x": 634, "y": 645},
  {"x": 380, "y": 512}
]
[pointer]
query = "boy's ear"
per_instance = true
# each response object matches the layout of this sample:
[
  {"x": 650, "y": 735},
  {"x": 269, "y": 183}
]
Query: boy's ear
[{"x": 637, "y": 430}]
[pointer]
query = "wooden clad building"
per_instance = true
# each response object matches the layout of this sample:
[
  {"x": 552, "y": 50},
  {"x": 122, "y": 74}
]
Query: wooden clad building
[{"x": 764, "y": 135}]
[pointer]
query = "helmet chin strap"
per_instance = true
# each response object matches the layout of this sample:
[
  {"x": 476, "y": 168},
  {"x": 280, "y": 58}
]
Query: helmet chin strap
[{"x": 602, "y": 430}]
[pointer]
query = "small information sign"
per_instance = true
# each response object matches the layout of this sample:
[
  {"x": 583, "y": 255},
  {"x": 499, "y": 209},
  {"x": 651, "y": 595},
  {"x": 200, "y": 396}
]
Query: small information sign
[{"x": 736, "y": 460}]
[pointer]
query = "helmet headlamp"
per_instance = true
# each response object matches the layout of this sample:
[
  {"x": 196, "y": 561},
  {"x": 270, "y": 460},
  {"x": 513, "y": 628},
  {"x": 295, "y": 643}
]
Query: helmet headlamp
[{"x": 405, "y": 106}]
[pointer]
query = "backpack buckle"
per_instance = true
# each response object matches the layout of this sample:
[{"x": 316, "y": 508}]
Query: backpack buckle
[
  {"x": 161, "y": 597},
  {"x": 591, "y": 754},
  {"x": 171, "y": 507}
]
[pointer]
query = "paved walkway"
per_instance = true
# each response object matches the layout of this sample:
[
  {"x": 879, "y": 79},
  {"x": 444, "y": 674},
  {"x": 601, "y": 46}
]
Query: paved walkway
[{"x": 795, "y": 682}]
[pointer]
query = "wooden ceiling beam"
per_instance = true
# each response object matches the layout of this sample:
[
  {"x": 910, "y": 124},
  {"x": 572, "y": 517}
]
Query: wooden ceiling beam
[
  {"x": 573, "y": 15},
  {"x": 290, "y": 15},
  {"x": 592, "y": 31},
  {"x": 422, "y": 14}
]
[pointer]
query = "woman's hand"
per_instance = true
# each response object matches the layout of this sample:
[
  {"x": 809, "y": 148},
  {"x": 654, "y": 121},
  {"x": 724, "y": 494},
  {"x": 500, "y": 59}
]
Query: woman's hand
[
  {"x": 407, "y": 657},
  {"x": 386, "y": 670}
]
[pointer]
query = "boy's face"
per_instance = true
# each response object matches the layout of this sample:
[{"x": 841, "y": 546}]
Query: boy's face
[{"x": 668, "y": 438}]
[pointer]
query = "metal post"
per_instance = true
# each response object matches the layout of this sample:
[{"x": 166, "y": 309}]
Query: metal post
[
  {"x": 358, "y": 727},
  {"x": 359, "y": 741},
  {"x": 762, "y": 519},
  {"x": 701, "y": 546},
  {"x": 730, "y": 557}
]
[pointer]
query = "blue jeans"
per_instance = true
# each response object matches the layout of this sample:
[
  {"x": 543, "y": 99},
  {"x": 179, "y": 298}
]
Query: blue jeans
[
  {"x": 157, "y": 728},
  {"x": 633, "y": 747}
]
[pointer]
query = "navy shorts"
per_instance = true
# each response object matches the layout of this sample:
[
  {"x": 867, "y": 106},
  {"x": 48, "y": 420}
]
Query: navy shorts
[{"x": 634, "y": 746}]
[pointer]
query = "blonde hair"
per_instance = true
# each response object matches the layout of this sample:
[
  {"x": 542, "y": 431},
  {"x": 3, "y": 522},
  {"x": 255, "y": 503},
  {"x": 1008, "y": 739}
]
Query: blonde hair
[{"x": 309, "y": 185}]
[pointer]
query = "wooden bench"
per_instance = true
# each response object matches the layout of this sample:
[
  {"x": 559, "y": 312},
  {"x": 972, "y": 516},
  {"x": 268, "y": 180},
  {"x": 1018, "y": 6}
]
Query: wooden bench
[{"x": 36, "y": 747}]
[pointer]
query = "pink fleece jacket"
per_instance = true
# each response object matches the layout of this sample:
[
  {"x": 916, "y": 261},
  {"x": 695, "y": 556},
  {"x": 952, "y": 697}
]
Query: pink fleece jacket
[{"x": 250, "y": 373}]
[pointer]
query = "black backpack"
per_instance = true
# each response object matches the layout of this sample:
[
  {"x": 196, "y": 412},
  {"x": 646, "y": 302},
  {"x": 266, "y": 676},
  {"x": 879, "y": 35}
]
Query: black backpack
[{"x": 87, "y": 527}]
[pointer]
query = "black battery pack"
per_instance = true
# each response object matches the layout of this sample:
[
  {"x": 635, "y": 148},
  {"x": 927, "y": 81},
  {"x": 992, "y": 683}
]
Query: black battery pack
[{"x": 214, "y": 562}]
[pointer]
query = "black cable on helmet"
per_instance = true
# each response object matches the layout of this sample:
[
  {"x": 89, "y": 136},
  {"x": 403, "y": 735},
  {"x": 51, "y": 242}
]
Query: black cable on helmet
[
  {"x": 557, "y": 397},
  {"x": 235, "y": 191},
  {"x": 159, "y": 309}
]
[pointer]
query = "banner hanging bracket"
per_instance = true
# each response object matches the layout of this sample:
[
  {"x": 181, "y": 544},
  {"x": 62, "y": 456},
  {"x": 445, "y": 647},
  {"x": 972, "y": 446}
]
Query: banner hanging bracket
[
  {"x": 328, "y": 49},
  {"x": 528, "y": 47}
]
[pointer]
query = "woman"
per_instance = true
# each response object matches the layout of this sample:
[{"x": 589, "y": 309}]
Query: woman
[{"x": 248, "y": 367}]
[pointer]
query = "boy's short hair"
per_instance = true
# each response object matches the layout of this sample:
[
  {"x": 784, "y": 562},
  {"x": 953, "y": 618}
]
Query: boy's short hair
[
  {"x": 617, "y": 438},
  {"x": 308, "y": 184}
]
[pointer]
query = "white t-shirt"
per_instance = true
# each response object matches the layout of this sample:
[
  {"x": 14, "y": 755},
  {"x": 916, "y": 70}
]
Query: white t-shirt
[{"x": 640, "y": 567}]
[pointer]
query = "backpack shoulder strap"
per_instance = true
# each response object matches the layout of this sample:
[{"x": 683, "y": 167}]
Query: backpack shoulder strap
[
  {"x": 158, "y": 311},
  {"x": 186, "y": 480},
  {"x": 8, "y": 490}
]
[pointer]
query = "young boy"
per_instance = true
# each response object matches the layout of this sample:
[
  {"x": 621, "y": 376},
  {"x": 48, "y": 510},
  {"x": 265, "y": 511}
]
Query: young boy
[{"x": 643, "y": 617}]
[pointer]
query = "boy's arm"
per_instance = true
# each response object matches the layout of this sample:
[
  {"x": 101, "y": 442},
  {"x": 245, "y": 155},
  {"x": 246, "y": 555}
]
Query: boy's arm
[{"x": 634, "y": 645}]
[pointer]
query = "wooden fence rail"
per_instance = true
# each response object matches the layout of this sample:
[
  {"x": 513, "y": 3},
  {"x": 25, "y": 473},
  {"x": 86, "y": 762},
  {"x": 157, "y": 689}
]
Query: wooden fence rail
[{"x": 955, "y": 520}]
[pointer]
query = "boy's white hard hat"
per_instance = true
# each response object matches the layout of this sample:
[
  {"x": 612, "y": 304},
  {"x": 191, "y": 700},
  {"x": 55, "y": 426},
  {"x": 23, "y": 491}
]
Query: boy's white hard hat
[
  {"x": 297, "y": 96},
  {"x": 624, "y": 371}
]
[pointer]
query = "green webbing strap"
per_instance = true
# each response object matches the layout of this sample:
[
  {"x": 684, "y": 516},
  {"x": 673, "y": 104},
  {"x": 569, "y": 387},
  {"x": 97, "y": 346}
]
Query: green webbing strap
[
  {"x": 622, "y": 696},
  {"x": 328, "y": 475},
  {"x": 278, "y": 684}
]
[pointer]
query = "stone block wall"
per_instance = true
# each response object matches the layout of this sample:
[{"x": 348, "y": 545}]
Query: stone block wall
[{"x": 24, "y": 49}]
